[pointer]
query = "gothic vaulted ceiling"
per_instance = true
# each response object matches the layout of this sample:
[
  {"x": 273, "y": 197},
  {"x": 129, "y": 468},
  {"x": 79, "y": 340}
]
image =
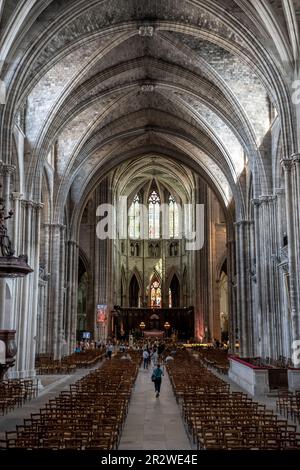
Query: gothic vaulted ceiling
[{"x": 86, "y": 85}]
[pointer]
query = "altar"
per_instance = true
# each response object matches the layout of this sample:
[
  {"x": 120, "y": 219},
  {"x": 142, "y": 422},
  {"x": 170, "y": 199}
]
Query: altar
[
  {"x": 154, "y": 334},
  {"x": 154, "y": 322}
]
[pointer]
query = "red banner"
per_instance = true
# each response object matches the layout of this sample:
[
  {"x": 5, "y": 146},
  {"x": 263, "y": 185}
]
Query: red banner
[{"x": 101, "y": 313}]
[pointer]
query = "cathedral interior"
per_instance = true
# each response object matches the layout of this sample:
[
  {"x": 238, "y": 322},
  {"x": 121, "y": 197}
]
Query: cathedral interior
[{"x": 150, "y": 187}]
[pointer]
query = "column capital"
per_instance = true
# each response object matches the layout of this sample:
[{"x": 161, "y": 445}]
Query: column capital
[
  {"x": 264, "y": 199},
  {"x": 279, "y": 191},
  {"x": 72, "y": 242},
  {"x": 31, "y": 204},
  {"x": 16, "y": 196},
  {"x": 256, "y": 202},
  {"x": 268, "y": 198},
  {"x": 296, "y": 157},
  {"x": 26, "y": 204},
  {"x": 287, "y": 163},
  {"x": 6, "y": 169},
  {"x": 241, "y": 223},
  {"x": 55, "y": 226},
  {"x": 38, "y": 205}
]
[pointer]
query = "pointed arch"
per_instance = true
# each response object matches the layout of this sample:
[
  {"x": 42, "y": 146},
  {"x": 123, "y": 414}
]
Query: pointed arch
[
  {"x": 83, "y": 257},
  {"x": 155, "y": 291},
  {"x": 221, "y": 266},
  {"x": 134, "y": 292},
  {"x": 174, "y": 292}
]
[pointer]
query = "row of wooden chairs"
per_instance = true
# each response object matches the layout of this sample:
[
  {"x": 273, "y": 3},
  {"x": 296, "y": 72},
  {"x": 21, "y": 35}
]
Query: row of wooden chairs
[
  {"x": 90, "y": 415},
  {"x": 216, "y": 358},
  {"x": 220, "y": 419},
  {"x": 45, "y": 364},
  {"x": 288, "y": 404},
  {"x": 15, "y": 392}
]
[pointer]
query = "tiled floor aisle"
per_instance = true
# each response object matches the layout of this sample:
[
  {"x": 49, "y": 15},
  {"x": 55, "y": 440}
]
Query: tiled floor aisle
[{"x": 153, "y": 423}]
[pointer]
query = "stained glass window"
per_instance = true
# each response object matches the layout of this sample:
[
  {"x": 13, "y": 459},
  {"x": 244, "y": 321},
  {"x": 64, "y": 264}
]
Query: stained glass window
[
  {"x": 134, "y": 218},
  {"x": 154, "y": 215},
  {"x": 155, "y": 292},
  {"x": 173, "y": 218}
]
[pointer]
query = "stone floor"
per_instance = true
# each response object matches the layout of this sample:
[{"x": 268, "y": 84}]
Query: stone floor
[{"x": 153, "y": 423}]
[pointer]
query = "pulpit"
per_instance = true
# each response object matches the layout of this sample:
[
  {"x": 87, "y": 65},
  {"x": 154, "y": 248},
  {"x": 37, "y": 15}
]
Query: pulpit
[{"x": 7, "y": 338}]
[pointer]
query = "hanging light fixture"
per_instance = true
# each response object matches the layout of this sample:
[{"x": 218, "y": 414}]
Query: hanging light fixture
[{"x": 10, "y": 265}]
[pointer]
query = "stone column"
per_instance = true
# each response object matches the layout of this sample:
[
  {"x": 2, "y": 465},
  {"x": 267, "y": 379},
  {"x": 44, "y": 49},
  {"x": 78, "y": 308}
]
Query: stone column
[
  {"x": 101, "y": 265},
  {"x": 232, "y": 307},
  {"x": 35, "y": 258},
  {"x": 296, "y": 203},
  {"x": 72, "y": 288},
  {"x": 283, "y": 275},
  {"x": 259, "y": 277},
  {"x": 25, "y": 290},
  {"x": 42, "y": 314},
  {"x": 291, "y": 178},
  {"x": 267, "y": 287},
  {"x": 270, "y": 287},
  {"x": 244, "y": 304},
  {"x": 56, "y": 289},
  {"x": 200, "y": 277},
  {"x": 44, "y": 277}
]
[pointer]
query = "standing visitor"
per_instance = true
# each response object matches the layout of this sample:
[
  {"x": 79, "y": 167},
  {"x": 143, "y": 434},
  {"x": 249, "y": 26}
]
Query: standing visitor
[
  {"x": 145, "y": 358},
  {"x": 154, "y": 356},
  {"x": 109, "y": 351},
  {"x": 156, "y": 378}
]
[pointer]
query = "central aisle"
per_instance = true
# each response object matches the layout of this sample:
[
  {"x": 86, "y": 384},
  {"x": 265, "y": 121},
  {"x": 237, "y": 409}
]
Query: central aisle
[{"x": 153, "y": 423}]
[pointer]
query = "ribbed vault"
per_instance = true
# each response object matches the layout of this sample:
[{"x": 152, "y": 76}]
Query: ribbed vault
[{"x": 91, "y": 83}]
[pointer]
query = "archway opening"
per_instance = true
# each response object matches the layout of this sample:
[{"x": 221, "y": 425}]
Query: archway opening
[
  {"x": 174, "y": 293},
  {"x": 134, "y": 291},
  {"x": 155, "y": 293}
]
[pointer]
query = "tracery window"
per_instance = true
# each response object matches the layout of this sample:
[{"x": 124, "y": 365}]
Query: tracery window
[
  {"x": 134, "y": 218},
  {"x": 154, "y": 215},
  {"x": 155, "y": 294},
  {"x": 173, "y": 218}
]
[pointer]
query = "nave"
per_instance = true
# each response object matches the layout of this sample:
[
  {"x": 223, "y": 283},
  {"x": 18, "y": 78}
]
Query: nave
[
  {"x": 113, "y": 406},
  {"x": 149, "y": 188}
]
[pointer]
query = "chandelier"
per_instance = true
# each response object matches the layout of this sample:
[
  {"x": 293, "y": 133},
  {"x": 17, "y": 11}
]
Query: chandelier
[{"x": 10, "y": 265}]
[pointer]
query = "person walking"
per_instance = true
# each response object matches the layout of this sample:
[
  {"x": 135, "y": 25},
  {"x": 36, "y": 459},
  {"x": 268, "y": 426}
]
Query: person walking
[
  {"x": 146, "y": 358},
  {"x": 156, "y": 378},
  {"x": 109, "y": 350}
]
